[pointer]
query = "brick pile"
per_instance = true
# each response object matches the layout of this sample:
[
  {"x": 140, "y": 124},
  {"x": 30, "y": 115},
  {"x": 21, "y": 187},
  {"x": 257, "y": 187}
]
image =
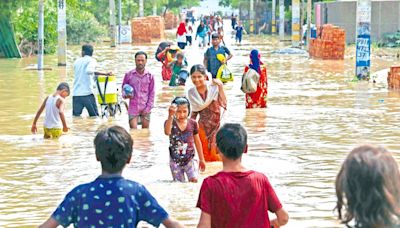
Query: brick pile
[
  {"x": 158, "y": 27},
  {"x": 144, "y": 29},
  {"x": 393, "y": 78},
  {"x": 329, "y": 44},
  {"x": 171, "y": 21}
]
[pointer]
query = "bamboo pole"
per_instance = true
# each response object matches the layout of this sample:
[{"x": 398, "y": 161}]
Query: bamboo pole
[
  {"x": 62, "y": 33},
  {"x": 112, "y": 23},
  {"x": 309, "y": 9},
  {"x": 119, "y": 20},
  {"x": 281, "y": 20},
  {"x": 41, "y": 35}
]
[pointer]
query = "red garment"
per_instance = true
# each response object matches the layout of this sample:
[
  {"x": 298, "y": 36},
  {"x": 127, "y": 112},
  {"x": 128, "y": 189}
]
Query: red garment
[
  {"x": 258, "y": 99},
  {"x": 238, "y": 199},
  {"x": 181, "y": 29},
  {"x": 166, "y": 71}
]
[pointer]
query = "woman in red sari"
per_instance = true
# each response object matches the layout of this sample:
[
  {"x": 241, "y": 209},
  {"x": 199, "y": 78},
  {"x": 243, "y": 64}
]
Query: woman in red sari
[
  {"x": 166, "y": 56},
  {"x": 206, "y": 99},
  {"x": 257, "y": 99}
]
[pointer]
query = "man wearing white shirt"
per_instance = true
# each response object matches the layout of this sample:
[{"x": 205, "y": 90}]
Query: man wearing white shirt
[{"x": 84, "y": 75}]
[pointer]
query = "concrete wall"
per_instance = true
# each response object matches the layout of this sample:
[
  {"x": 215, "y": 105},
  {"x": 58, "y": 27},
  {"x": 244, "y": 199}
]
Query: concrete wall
[{"x": 385, "y": 17}]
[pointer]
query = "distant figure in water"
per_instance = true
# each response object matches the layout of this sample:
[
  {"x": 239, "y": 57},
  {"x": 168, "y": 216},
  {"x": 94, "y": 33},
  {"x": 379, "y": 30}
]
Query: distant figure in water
[
  {"x": 110, "y": 199},
  {"x": 239, "y": 32},
  {"x": 368, "y": 189},
  {"x": 54, "y": 120},
  {"x": 258, "y": 99}
]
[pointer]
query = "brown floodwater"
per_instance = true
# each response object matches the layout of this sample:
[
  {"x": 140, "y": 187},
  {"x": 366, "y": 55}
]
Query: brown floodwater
[{"x": 315, "y": 116}]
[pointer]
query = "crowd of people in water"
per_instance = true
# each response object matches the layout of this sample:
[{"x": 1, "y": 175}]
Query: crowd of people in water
[{"x": 367, "y": 185}]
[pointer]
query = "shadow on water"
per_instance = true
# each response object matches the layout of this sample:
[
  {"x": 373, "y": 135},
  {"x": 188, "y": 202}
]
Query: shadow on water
[{"x": 315, "y": 116}]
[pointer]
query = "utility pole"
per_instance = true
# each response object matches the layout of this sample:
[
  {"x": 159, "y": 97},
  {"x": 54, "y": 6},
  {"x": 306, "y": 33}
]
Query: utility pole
[
  {"x": 273, "y": 29},
  {"x": 295, "y": 23},
  {"x": 281, "y": 20},
  {"x": 112, "y": 23},
  {"x": 62, "y": 32},
  {"x": 40, "y": 35},
  {"x": 119, "y": 20},
  {"x": 251, "y": 16},
  {"x": 141, "y": 11},
  {"x": 309, "y": 9},
  {"x": 363, "y": 40}
]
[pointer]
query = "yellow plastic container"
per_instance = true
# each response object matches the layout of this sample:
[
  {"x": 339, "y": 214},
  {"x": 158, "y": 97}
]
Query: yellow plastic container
[{"x": 111, "y": 94}]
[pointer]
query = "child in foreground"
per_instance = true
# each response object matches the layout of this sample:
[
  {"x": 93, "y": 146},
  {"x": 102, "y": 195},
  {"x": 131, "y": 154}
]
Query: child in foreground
[
  {"x": 368, "y": 189},
  {"x": 184, "y": 136},
  {"x": 54, "y": 119},
  {"x": 236, "y": 196},
  {"x": 110, "y": 200}
]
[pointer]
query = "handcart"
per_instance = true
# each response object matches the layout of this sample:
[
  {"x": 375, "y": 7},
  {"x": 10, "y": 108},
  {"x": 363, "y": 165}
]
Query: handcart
[{"x": 108, "y": 97}]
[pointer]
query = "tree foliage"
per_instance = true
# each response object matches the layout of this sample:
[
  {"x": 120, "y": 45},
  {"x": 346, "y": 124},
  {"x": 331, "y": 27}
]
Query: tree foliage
[{"x": 87, "y": 20}]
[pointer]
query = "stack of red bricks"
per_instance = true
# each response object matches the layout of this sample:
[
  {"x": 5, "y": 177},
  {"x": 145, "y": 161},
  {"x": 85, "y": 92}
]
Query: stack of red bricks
[
  {"x": 330, "y": 43},
  {"x": 144, "y": 29},
  {"x": 393, "y": 78},
  {"x": 171, "y": 21},
  {"x": 157, "y": 25}
]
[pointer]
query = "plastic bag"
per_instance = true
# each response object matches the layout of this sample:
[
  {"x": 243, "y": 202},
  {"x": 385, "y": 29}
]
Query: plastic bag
[
  {"x": 224, "y": 74},
  {"x": 250, "y": 81}
]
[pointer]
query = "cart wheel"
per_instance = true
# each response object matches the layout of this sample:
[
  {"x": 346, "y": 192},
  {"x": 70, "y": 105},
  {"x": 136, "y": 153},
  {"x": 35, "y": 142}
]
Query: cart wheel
[
  {"x": 111, "y": 110},
  {"x": 104, "y": 111},
  {"x": 119, "y": 108}
]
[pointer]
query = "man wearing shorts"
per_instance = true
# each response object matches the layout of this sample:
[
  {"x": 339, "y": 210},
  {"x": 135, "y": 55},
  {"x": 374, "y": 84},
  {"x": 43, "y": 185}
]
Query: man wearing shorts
[{"x": 142, "y": 100}]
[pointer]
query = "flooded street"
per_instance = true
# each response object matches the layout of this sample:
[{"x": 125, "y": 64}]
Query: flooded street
[{"x": 315, "y": 116}]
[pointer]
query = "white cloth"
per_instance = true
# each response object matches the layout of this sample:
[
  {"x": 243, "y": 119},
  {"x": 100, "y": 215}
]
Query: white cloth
[
  {"x": 217, "y": 25},
  {"x": 197, "y": 102},
  {"x": 189, "y": 31},
  {"x": 84, "y": 69},
  {"x": 52, "y": 117},
  {"x": 181, "y": 39}
]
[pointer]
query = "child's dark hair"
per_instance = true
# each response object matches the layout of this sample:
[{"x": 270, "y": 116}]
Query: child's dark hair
[
  {"x": 232, "y": 140},
  {"x": 87, "y": 49},
  {"x": 198, "y": 67},
  {"x": 113, "y": 147},
  {"x": 141, "y": 53},
  {"x": 368, "y": 188},
  {"x": 63, "y": 86},
  {"x": 180, "y": 55},
  {"x": 182, "y": 101}
]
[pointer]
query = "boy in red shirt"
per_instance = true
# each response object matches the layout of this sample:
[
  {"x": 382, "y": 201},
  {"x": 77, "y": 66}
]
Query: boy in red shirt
[{"x": 236, "y": 196}]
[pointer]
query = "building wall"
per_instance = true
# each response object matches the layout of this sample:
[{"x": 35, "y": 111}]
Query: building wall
[{"x": 385, "y": 17}]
